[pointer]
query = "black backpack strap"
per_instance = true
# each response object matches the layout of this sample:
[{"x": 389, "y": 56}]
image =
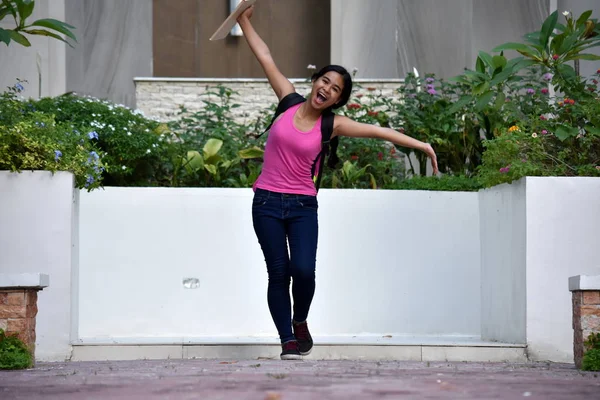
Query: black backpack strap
[
  {"x": 288, "y": 101},
  {"x": 326, "y": 144}
]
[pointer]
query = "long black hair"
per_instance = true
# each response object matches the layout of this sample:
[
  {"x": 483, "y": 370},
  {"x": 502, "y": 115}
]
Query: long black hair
[{"x": 346, "y": 90}]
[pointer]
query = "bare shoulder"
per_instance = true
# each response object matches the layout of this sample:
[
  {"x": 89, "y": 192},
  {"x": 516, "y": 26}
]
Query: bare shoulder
[{"x": 339, "y": 121}]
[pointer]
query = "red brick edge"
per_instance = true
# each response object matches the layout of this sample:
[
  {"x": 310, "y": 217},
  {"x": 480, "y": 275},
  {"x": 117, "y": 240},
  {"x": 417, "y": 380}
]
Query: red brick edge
[{"x": 586, "y": 319}]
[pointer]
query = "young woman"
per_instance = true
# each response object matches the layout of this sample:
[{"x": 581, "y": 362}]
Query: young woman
[{"x": 284, "y": 208}]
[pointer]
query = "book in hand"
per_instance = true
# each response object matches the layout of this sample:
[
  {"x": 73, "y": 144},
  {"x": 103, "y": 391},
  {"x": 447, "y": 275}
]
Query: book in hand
[{"x": 231, "y": 20}]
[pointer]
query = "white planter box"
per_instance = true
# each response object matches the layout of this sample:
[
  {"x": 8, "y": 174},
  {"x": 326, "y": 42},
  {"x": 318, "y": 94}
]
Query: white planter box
[
  {"x": 38, "y": 234},
  {"x": 399, "y": 263},
  {"x": 535, "y": 234}
]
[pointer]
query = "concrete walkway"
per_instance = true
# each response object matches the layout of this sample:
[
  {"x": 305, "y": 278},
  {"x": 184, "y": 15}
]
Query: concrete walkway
[{"x": 279, "y": 380}]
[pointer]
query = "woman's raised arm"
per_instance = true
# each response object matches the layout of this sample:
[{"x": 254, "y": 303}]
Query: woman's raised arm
[{"x": 280, "y": 84}]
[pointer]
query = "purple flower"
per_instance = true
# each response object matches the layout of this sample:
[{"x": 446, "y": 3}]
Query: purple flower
[
  {"x": 548, "y": 76},
  {"x": 429, "y": 80},
  {"x": 93, "y": 157},
  {"x": 545, "y": 91},
  {"x": 57, "y": 155},
  {"x": 432, "y": 92},
  {"x": 93, "y": 135},
  {"x": 429, "y": 86},
  {"x": 19, "y": 88},
  {"x": 544, "y": 132},
  {"x": 90, "y": 179},
  {"x": 530, "y": 91},
  {"x": 505, "y": 170}
]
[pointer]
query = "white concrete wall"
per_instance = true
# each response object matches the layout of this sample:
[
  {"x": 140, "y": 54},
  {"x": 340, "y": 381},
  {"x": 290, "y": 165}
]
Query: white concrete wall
[
  {"x": 503, "y": 263},
  {"x": 535, "y": 234},
  {"x": 20, "y": 62},
  {"x": 389, "y": 263},
  {"x": 563, "y": 216},
  {"x": 400, "y": 263},
  {"x": 37, "y": 234}
]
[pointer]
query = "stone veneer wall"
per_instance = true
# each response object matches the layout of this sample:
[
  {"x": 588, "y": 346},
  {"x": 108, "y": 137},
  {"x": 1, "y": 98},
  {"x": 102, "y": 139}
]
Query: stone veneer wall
[{"x": 161, "y": 98}]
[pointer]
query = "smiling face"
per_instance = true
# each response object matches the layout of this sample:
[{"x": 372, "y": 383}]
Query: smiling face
[{"x": 326, "y": 90}]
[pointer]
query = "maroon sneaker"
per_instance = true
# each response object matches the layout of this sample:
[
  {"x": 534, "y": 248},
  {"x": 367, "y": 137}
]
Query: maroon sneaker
[
  {"x": 305, "y": 342},
  {"x": 290, "y": 351}
]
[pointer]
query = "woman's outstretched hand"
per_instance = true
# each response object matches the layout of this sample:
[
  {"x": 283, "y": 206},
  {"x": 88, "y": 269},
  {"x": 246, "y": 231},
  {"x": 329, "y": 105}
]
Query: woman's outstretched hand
[
  {"x": 427, "y": 149},
  {"x": 246, "y": 14}
]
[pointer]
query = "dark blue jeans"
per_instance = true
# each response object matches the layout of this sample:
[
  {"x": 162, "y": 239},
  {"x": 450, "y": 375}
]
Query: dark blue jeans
[{"x": 280, "y": 219}]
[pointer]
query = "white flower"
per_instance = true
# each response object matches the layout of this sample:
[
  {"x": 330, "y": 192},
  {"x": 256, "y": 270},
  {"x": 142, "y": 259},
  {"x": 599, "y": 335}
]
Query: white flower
[
  {"x": 128, "y": 133},
  {"x": 310, "y": 66},
  {"x": 566, "y": 13},
  {"x": 123, "y": 168},
  {"x": 534, "y": 135},
  {"x": 148, "y": 151},
  {"x": 154, "y": 145}
]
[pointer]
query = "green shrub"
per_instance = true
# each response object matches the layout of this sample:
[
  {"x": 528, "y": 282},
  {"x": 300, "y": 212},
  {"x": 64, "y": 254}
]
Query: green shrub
[
  {"x": 427, "y": 110},
  {"x": 591, "y": 357},
  {"x": 520, "y": 152},
  {"x": 36, "y": 141},
  {"x": 213, "y": 134},
  {"x": 535, "y": 134},
  {"x": 591, "y": 360},
  {"x": 13, "y": 353},
  {"x": 135, "y": 149},
  {"x": 444, "y": 183},
  {"x": 364, "y": 164}
]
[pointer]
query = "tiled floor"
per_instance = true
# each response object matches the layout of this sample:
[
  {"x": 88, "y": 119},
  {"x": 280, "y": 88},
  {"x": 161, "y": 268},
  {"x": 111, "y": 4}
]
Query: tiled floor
[{"x": 286, "y": 380}]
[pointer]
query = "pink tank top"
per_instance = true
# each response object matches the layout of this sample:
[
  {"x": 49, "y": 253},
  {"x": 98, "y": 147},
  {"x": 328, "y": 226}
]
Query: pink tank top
[{"x": 289, "y": 157}]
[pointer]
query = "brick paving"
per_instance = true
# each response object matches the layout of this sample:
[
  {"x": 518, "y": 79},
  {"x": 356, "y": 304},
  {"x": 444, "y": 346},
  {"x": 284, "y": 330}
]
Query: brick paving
[{"x": 289, "y": 380}]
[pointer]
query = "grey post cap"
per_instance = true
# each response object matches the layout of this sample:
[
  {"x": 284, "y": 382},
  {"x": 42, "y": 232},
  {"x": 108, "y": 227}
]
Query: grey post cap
[
  {"x": 584, "y": 282},
  {"x": 24, "y": 281}
]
